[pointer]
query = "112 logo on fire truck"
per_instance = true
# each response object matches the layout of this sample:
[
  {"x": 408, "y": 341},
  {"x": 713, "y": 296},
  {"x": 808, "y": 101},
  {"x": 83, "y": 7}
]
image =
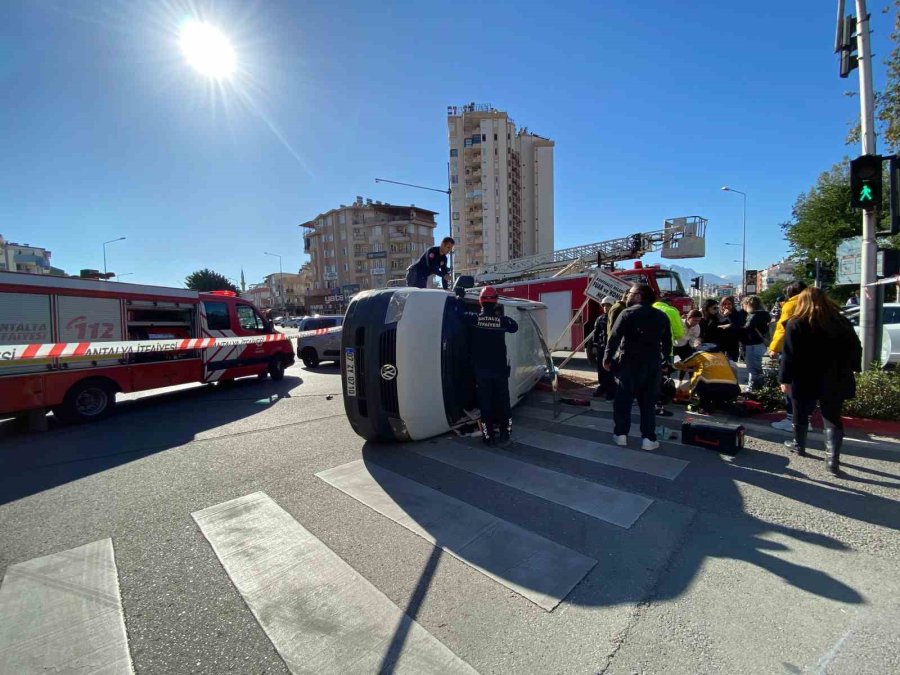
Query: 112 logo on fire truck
[{"x": 92, "y": 331}]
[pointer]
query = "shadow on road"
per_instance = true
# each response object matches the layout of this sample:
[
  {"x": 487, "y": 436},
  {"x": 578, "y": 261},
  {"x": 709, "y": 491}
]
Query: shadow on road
[
  {"x": 699, "y": 516},
  {"x": 33, "y": 462}
]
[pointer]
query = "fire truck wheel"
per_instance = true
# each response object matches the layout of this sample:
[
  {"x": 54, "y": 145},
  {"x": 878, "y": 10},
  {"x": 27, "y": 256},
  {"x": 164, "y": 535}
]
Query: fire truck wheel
[
  {"x": 276, "y": 369},
  {"x": 87, "y": 401},
  {"x": 310, "y": 357}
]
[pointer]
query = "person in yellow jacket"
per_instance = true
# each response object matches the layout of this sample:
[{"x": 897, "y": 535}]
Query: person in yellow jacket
[
  {"x": 791, "y": 292},
  {"x": 714, "y": 379}
]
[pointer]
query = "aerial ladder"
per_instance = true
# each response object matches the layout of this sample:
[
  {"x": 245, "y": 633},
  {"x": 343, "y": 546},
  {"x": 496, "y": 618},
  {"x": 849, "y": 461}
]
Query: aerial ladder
[{"x": 680, "y": 238}]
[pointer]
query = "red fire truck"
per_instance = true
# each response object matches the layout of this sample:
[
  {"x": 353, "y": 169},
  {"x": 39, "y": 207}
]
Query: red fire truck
[
  {"x": 39, "y": 309},
  {"x": 564, "y": 296},
  {"x": 559, "y": 279}
]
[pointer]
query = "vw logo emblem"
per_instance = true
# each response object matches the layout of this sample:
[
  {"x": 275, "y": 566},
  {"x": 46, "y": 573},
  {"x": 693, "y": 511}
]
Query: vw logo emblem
[{"x": 388, "y": 371}]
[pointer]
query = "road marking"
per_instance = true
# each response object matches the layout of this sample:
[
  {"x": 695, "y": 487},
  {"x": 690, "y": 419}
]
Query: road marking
[
  {"x": 650, "y": 463},
  {"x": 320, "y": 614},
  {"x": 598, "y": 501},
  {"x": 63, "y": 613},
  {"x": 583, "y": 420},
  {"x": 536, "y": 568}
]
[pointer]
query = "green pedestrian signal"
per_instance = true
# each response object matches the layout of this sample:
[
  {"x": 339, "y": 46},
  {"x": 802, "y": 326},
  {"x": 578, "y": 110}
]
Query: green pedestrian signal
[{"x": 865, "y": 182}]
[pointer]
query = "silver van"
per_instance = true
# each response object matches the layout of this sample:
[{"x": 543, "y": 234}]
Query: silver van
[{"x": 314, "y": 349}]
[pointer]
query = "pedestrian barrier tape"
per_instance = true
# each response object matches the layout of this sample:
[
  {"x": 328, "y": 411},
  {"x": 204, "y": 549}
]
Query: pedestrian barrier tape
[{"x": 61, "y": 350}]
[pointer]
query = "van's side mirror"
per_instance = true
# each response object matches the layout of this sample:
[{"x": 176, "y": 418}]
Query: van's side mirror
[{"x": 464, "y": 281}]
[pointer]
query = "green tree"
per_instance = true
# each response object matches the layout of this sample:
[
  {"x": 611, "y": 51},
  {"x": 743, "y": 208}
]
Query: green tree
[
  {"x": 207, "y": 280},
  {"x": 823, "y": 217},
  {"x": 767, "y": 297}
]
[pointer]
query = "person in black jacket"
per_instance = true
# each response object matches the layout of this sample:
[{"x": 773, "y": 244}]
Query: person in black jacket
[
  {"x": 640, "y": 342},
  {"x": 755, "y": 339},
  {"x": 432, "y": 263},
  {"x": 733, "y": 320},
  {"x": 821, "y": 354},
  {"x": 606, "y": 384},
  {"x": 491, "y": 368},
  {"x": 710, "y": 331}
]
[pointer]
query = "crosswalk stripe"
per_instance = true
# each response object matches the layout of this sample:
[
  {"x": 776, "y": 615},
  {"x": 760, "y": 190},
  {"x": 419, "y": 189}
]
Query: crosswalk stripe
[
  {"x": 582, "y": 420},
  {"x": 650, "y": 463},
  {"x": 540, "y": 570},
  {"x": 63, "y": 613},
  {"x": 598, "y": 501},
  {"x": 320, "y": 614}
]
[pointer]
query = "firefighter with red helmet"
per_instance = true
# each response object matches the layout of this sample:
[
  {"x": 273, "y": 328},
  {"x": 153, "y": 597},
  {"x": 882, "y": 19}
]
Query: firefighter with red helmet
[{"x": 489, "y": 328}]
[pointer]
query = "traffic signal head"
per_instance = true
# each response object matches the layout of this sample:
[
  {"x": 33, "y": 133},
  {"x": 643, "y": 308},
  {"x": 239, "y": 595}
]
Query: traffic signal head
[
  {"x": 697, "y": 282},
  {"x": 847, "y": 45},
  {"x": 865, "y": 182}
]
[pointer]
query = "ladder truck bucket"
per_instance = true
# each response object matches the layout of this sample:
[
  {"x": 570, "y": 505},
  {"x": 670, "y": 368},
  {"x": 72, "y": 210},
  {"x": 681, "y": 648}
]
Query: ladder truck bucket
[{"x": 684, "y": 238}]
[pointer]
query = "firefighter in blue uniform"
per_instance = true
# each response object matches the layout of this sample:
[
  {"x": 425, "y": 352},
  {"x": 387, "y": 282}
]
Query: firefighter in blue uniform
[
  {"x": 432, "y": 263},
  {"x": 488, "y": 340}
]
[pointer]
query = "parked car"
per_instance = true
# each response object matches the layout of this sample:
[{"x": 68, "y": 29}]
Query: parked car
[
  {"x": 890, "y": 337},
  {"x": 405, "y": 365},
  {"x": 317, "y": 348},
  {"x": 292, "y": 322}
]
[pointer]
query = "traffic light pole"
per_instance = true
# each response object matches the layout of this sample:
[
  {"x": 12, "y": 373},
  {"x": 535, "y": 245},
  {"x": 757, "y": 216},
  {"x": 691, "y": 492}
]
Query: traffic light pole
[{"x": 867, "y": 297}]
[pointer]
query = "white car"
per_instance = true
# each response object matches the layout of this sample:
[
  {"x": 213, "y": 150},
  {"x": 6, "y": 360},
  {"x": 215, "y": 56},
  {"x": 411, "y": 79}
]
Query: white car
[
  {"x": 890, "y": 337},
  {"x": 405, "y": 361}
]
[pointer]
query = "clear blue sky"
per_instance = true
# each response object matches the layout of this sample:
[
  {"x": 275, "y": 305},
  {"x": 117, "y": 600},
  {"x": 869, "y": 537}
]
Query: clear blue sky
[{"x": 107, "y": 132}]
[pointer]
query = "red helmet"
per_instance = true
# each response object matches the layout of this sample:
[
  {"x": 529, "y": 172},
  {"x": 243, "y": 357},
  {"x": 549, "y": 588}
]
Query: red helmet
[{"x": 488, "y": 294}]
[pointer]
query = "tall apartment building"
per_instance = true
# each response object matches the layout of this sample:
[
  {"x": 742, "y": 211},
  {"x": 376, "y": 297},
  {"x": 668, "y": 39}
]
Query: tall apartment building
[
  {"x": 501, "y": 187},
  {"x": 361, "y": 246}
]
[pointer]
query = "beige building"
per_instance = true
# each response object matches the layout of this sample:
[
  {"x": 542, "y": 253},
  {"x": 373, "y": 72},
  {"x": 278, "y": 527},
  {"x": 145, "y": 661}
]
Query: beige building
[
  {"x": 361, "y": 246},
  {"x": 287, "y": 291},
  {"x": 501, "y": 183},
  {"x": 259, "y": 295},
  {"x": 23, "y": 258}
]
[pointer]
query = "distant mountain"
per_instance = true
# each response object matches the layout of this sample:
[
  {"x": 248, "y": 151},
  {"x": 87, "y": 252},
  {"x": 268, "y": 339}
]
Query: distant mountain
[{"x": 687, "y": 273}]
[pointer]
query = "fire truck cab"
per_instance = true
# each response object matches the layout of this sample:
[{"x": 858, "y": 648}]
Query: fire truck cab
[{"x": 38, "y": 309}]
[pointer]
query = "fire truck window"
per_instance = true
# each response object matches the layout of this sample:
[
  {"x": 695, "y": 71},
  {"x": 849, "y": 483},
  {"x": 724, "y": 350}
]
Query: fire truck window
[
  {"x": 217, "y": 316},
  {"x": 249, "y": 319}
]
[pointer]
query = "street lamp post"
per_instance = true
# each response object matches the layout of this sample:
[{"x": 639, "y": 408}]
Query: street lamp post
[
  {"x": 449, "y": 209},
  {"x": 743, "y": 238},
  {"x": 280, "y": 280},
  {"x": 104, "y": 251}
]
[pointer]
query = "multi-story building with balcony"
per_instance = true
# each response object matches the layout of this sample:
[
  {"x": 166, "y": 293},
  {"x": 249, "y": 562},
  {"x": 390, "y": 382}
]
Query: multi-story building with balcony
[
  {"x": 501, "y": 187},
  {"x": 23, "y": 258},
  {"x": 361, "y": 246},
  {"x": 780, "y": 272}
]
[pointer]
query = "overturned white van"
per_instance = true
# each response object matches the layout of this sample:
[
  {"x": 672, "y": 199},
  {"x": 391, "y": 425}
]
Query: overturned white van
[{"x": 405, "y": 360}]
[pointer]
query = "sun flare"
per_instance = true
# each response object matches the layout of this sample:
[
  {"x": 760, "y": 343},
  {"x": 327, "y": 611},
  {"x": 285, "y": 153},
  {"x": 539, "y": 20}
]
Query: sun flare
[{"x": 207, "y": 49}]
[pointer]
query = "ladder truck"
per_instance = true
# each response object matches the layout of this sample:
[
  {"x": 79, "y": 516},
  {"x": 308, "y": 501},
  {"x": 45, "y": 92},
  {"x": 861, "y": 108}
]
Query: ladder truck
[{"x": 559, "y": 278}]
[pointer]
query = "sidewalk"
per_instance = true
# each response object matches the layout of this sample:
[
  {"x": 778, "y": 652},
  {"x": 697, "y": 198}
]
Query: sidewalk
[{"x": 578, "y": 380}]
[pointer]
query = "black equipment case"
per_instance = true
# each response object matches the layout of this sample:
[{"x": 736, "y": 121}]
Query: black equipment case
[{"x": 724, "y": 438}]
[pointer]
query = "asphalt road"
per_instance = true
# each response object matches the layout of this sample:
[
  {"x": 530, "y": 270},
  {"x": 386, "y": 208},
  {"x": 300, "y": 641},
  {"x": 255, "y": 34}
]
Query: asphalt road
[{"x": 752, "y": 564}]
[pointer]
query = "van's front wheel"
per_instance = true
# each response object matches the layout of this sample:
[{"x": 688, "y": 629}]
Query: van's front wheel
[{"x": 310, "y": 357}]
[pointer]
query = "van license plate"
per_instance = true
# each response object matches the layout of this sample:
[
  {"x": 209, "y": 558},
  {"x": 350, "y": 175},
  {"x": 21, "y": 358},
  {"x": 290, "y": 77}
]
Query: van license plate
[{"x": 350, "y": 369}]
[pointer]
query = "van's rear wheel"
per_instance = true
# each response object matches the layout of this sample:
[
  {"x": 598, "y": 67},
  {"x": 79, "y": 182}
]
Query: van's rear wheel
[
  {"x": 276, "y": 369},
  {"x": 87, "y": 401},
  {"x": 310, "y": 357}
]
